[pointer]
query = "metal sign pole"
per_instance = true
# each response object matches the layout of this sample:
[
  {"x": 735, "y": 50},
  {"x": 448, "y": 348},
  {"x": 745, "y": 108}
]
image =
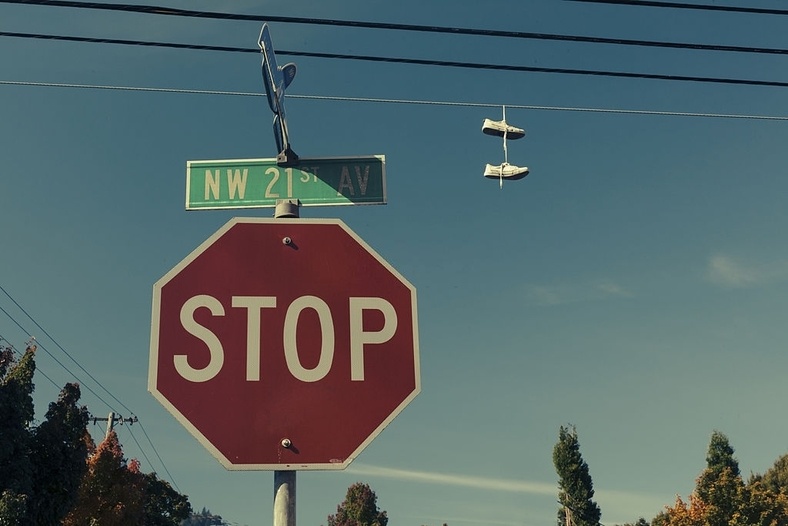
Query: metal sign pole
[
  {"x": 284, "y": 498},
  {"x": 285, "y": 481}
]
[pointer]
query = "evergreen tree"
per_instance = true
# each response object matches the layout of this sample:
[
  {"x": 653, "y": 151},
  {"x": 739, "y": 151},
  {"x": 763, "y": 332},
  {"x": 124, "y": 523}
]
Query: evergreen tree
[
  {"x": 719, "y": 458},
  {"x": 13, "y": 508},
  {"x": 721, "y": 498},
  {"x": 360, "y": 508},
  {"x": 6, "y": 360},
  {"x": 576, "y": 489},
  {"x": 720, "y": 486},
  {"x": 59, "y": 450},
  {"x": 53, "y": 474},
  {"x": 162, "y": 505},
  {"x": 16, "y": 415},
  {"x": 204, "y": 518},
  {"x": 776, "y": 477}
]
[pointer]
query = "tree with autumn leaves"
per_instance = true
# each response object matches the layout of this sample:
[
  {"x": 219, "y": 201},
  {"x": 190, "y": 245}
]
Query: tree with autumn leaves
[
  {"x": 723, "y": 498},
  {"x": 54, "y": 474},
  {"x": 114, "y": 491}
]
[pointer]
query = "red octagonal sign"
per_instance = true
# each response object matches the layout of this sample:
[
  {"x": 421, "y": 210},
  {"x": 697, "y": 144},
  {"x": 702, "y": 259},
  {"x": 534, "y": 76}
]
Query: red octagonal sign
[{"x": 284, "y": 344}]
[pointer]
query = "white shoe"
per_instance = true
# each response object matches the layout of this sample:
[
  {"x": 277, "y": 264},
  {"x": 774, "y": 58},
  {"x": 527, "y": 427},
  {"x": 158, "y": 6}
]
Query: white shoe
[
  {"x": 497, "y": 128},
  {"x": 505, "y": 171}
]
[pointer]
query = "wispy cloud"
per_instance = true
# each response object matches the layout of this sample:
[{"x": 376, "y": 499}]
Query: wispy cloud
[
  {"x": 619, "y": 506},
  {"x": 453, "y": 479},
  {"x": 725, "y": 271},
  {"x": 596, "y": 290},
  {"x": 607, "y": 288}
]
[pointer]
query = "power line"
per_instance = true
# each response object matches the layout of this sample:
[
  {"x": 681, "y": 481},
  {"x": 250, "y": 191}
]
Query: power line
[
  {"x": 113, "y": 418},
  {"x": 421, "y": 62},
  {"x": 9, "y": 345},
  {"x": 161, "y": 461},
  {"x": 168, "y": 11},
  {"x": 700, "y": 7},
  {"x": 134, "y": 438},
  {"x": 40, "y": 345},
  {"x": 43, "y": 348},
  {"x": 186, "y": 91},
  {"x": 534, "y": 69},
  {"x": 124, "y": 42},
  {"x": 64, "y": 352}
]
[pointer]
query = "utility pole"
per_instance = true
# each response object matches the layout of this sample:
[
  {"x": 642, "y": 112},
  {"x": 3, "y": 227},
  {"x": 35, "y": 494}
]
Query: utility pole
[{"x": 111, "y": 419}]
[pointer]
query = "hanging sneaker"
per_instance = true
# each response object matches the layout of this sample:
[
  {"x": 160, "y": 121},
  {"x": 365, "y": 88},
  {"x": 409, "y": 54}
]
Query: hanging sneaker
[
  {"x": 505, "y": 171},
  {"x": 497, "y": 128}
]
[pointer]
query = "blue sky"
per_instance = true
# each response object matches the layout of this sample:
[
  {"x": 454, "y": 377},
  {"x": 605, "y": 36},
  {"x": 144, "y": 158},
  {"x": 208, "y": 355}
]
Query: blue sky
[{"x": 633, "y": 284}]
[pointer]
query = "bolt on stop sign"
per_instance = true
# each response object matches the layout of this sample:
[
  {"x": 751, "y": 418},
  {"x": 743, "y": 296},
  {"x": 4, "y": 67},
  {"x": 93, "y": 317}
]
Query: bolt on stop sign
[{"x": 284, "y": 344}]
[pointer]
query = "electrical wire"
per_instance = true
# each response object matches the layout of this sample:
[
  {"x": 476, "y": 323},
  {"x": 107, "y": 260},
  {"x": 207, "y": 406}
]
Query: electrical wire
[
  {"x": 61, "y": 364},
  {"x": 186, "y": 91},
  {"x": 699, "y": 7},
  {"x": 81, "y": 368},
  {"x": 20, "y": 354},
  {"x": 168, "y": 11},
  {"x": 161, "y": 461},
  {"x": 422, "y": 62},
  {"x": 134, "y": 438},
  {"x": 158, "y": 10},
  {"x": 99, "y": 397}
]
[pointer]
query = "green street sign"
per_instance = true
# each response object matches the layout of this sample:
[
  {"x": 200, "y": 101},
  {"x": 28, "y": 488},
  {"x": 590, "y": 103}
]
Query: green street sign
[{"x": 259, "y": 183}]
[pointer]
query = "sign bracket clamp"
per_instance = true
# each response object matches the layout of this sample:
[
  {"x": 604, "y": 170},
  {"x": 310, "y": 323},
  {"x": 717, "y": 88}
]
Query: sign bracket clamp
[{"x": 276, "y": 79}]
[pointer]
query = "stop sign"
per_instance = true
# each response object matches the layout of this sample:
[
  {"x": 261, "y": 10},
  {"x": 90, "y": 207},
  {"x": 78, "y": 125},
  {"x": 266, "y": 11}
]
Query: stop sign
[{"x": 284, "y": 344}]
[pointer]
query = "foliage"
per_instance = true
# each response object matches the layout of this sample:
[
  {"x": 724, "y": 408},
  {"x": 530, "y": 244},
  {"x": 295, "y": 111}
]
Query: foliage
[
  {"x": 776, "y": 477},
  {"x": 6, "y": 360},
  {"x": 59, "y": 449},
  {"x": 723, "y": 495},
  {"x": 576, "y": 489},
  {"x": 720, "y": 485},
  {"x": 13, "y": 507},
  {"x": 54, "y": 474},
  {"x": 761, "y": 506},
  {"x": 360, "y": 508},
  {"x": 114, "y": 492},
  {"x": 204, "y": 518},
  {"x": 682, "y": 513},
  {"x": 16, "y": 414},
  {"x": 111, "y": 492},
  {"x": 722, "y": 498},
  {"x": 163, "y": 506},
  {"x": 40, "y": 468},
  {"x": 720, "y": 455}
]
